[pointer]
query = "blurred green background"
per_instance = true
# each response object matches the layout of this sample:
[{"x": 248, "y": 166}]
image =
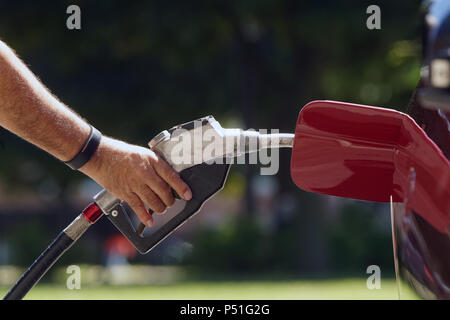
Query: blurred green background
[{"x": 137, "y": 68}]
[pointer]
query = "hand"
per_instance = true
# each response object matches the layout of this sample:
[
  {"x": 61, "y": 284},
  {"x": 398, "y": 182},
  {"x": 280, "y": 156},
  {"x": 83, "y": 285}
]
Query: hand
[{"x": 136, "y": 175}]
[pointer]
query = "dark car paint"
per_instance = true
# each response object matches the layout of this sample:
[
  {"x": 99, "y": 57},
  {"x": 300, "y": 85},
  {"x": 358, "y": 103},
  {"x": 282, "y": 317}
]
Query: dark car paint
[{"x": 423, "y": 252}]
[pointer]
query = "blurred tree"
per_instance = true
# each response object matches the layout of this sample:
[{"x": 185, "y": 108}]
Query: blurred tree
[
  {"x": 136, "y": 68},
  {"x": 356, "y": 242}
]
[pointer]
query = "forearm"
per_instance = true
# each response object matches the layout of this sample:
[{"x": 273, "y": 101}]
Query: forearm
[
  {"x": 29, "y": 110},
  {"x": 131, "y": 173}
]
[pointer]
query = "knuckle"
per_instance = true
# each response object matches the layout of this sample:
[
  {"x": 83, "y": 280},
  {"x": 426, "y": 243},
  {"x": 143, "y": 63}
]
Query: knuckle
[
  {"x": 126, "y": 188},
  {"x": 149, "y": 171},
  {"x": 165, "y": 189},
  {"x": 168, "y": 195},
  {"x": 131, "y": 202},
  {"x": 136, "y": 157},
  {"x": 159, "y": 208},
  {"x": 136, "y": 206},
  {"x": 168, "y": 192},
  {"x": 153, "y": 201},
  {"x": 150, "y": 197},
  {"x": 174, "y": 176}
]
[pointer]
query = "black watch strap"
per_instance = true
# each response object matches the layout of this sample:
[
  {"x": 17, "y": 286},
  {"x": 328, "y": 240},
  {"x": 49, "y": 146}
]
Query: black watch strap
[{"x": 87, "y": 151}]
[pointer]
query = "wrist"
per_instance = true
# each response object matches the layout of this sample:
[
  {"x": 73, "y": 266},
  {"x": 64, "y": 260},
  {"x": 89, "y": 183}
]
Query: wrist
[
  {"x": 87, "y": 151},
  {"x": 95, "y": 164}
]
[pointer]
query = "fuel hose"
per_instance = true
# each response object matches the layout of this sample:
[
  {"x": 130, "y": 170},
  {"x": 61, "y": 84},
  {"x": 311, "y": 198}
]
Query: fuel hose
[{"x": 54, "y": 251}]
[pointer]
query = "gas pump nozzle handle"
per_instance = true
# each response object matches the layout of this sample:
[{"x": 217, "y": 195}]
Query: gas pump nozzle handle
[{"x": 203, "y": 169}]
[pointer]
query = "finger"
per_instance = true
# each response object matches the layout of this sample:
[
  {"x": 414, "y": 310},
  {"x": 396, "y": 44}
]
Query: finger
[
  {"x": 138, "y": 207},
  {"x": 161, "y": 188},
  {"x": 173, "y": 179},
  {"x": 151, "y": 199}
]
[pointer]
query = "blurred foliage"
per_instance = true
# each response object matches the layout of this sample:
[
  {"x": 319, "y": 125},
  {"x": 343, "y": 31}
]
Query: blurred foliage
[
  {"x": 30, "y": 238},
  {"x": 136, "y": 68},
  {"x": 353, "y": 242},
  {"x": 28, "y": 241},
  {"x": 356, "y": 241},
  {"x": 238, "y": 246}
]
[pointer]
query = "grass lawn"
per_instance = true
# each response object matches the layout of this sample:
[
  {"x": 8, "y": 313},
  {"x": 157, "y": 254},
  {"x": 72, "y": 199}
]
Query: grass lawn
[{"x": 297, "y": 289}]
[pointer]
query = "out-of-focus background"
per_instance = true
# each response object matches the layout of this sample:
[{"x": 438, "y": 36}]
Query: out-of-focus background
[{"x": 137, "y": 68}]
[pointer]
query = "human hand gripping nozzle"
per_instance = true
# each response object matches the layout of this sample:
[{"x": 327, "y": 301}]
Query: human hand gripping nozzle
[
  {"x": 201, "y": 151},
  {"x": 203, "y": 166}
]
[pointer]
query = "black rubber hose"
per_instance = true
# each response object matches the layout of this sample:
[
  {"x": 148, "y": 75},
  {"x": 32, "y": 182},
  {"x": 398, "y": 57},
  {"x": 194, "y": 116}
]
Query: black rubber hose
[{"x": 39, "y": 267}]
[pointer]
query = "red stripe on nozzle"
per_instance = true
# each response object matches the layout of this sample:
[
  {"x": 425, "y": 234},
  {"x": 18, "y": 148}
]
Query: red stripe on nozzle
[{"x": 92, "y": 213}]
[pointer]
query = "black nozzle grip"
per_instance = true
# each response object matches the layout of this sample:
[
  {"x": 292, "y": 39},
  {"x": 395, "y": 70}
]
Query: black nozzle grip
[{"x": 204, "y": 180}]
